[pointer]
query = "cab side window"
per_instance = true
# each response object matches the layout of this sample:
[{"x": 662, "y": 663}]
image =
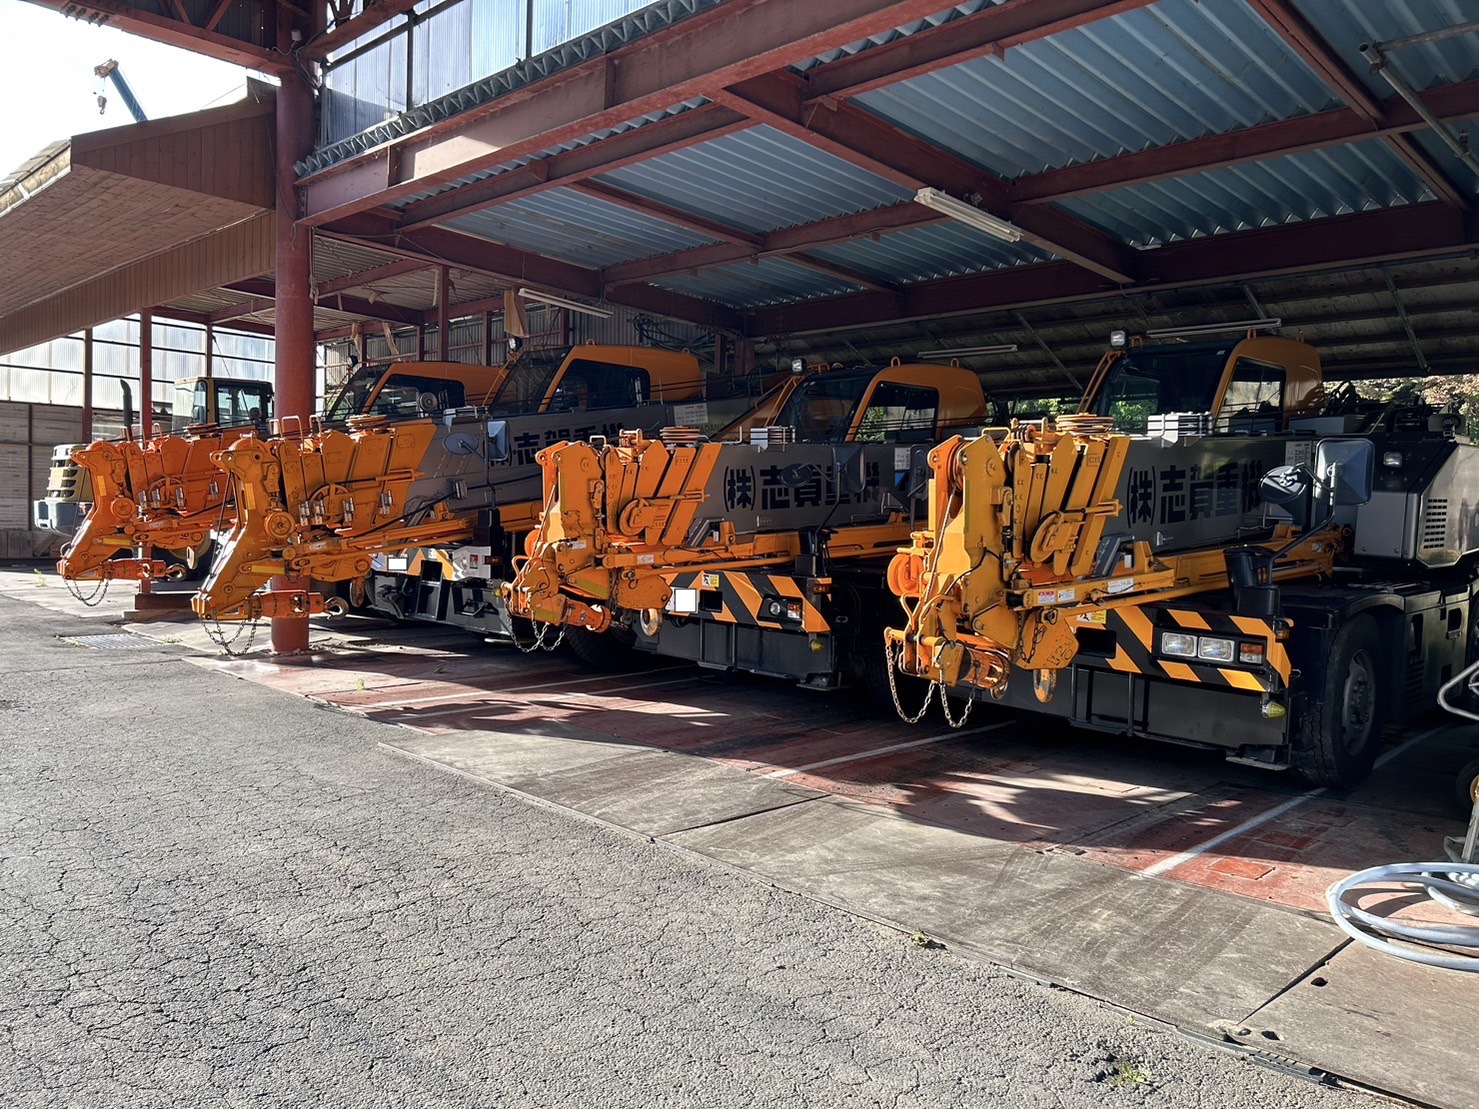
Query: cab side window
[
  {"x": 1255, "y": 390},
  {"x": 900, "y": 414},
  {"x": 591, "y": 384}
]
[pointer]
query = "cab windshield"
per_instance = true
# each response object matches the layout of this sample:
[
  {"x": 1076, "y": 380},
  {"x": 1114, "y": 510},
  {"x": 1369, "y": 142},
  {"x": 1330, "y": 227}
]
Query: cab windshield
[
  {"x": 1153, "y": 380},
  {"x": 529, "y": 376},
  {"x": 354, "y": 393},
  {"x": 821, "y": 409}
]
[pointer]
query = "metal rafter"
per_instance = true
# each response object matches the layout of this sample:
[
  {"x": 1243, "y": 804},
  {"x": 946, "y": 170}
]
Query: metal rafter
[
  {"x": 730, "y": 43},
  {"x": 369, "y": 277},
  {"x": 266, "y": 288},
  {"x": 1389, "y": 234},
  {"x": 866, "y": 141},
  {"x": 1291, "y": 25},
  {"x": 346, "y": 31}
]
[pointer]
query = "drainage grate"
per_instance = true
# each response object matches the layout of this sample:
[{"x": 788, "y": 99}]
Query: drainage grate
[{"x": 113, "y": 641}]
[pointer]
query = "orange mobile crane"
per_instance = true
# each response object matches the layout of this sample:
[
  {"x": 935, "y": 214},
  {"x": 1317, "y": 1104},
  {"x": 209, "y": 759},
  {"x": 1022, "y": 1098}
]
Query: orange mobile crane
[
  {"x": 165, "y": 495},
  {"x": 1257, "y": 568},
  {"x": 765, "y": 554},
  {"x": 345, "y": 512}
]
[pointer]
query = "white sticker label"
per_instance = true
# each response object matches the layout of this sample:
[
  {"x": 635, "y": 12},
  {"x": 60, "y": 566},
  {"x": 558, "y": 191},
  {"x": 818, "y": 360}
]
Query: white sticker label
[
  {"x": 901, "y": 458},
  {"x": 1299, "y": 451},
  {"x": 1046, "y": 597},
  {"x": 578, "y": 545},
  {"x": 1119, "y": 585},
  {"x": 643, "y": 559},
  {"x": 710, "y": 581},
  {"x": 691, "y": 415},
  {"x": 1066, "y": 595}
]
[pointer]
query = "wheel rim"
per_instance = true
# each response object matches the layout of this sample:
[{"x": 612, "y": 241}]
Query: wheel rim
[{"x": 1358, "y": 708}]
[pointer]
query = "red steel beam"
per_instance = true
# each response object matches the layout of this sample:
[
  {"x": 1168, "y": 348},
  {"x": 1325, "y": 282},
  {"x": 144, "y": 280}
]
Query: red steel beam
[
  {"x": 674, "y": 133},
  {"x": 1291, "y": 25},
  {"x": 731, "y": 42},
  {"x": 161, "y": 28},
  {"x": 1391, "y": 234},
  {"x": 1451, "y": 103},
  {"x": 374, "y": 15},
  {"x": 992, "y": 30},
  {"x": 264, "y": 287}
]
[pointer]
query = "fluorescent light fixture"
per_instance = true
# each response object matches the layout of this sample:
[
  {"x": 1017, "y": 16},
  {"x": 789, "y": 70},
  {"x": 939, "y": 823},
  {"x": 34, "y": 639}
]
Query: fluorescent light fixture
[
  {"x": 964, "y": 352},
  {"x": 968, "y": 214},
  {"x": 1267, "y": 324},
  {"x": 560, "y": 302}
]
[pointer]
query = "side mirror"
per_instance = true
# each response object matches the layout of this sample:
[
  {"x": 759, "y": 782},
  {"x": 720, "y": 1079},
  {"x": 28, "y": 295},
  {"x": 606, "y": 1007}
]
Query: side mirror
[
  {"x": 851, "y": 469},
  {"x": 1345, "y": 470},
  {"x": 498, "y": 441}
]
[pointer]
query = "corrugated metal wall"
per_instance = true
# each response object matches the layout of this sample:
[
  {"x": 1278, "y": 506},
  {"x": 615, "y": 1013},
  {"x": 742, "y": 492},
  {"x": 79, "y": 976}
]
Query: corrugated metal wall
[
  {"x": 448, "y": 46},
  {"x": 28, "y": 432}
]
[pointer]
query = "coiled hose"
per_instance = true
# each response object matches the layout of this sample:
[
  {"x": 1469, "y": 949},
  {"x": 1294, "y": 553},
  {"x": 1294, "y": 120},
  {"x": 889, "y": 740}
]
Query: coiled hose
[{"x": 1455, "y": 885}]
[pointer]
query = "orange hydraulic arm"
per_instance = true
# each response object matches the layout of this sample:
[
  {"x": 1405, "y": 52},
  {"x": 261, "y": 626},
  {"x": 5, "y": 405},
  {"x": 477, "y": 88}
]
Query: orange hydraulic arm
[
  {"x": 1008, "y": 563},
  {"x": 161, "y": 493},
  {"x": 317, "y": 508},
  {"x": 620, "y": 520}
]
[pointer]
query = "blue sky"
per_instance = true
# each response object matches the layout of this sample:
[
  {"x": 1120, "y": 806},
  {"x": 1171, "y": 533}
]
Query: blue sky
[{"x": 48, "y": 90}]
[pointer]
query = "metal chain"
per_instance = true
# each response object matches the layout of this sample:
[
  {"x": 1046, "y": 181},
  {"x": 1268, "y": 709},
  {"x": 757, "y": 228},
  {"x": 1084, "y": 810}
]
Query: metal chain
[
  {"x": 891, "y": 659},
  {"x": 93, "y": 599},
  {"x": 945, "y": 708},
  {"x": 541, "y": 633},
  {"x": 217, "y": 635}
]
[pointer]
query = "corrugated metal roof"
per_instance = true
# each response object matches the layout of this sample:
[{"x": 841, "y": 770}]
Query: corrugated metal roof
[
  {"x": 935, "y": 250},
  {"x": 1172, "y": 71},
  {"x": 947, "y": 16},
  {"x": 1458, "y": 171},
  {"x": 562, "y": 223},
  {"x": 757, "y": 180},
  {"x": 550, "y": 152},
  {"x": 753, "y": 285},
  {"x": 334, "y": 258},
  {"x": 1295, "y": 187},
  {"x": 1346, "y": 24}
]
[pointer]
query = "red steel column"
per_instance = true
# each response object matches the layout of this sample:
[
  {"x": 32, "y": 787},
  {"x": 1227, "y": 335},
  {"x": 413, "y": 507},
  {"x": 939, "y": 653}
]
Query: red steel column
[
  {"x": 87, "y": 386},
  {"x": 146, "y": 405},
  {"x": 293, "y": 318}
]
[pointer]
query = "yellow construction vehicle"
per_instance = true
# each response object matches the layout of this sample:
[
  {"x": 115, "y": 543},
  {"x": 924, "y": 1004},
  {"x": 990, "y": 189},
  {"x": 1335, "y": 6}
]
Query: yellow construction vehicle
[
  {"x": 1211, "y": 552},
  {"x": 764, "y": 554},
  {"x": 416, "y": 514},
  {"x": 199, "y": 401},
  {"x": 164, "y": 496}
]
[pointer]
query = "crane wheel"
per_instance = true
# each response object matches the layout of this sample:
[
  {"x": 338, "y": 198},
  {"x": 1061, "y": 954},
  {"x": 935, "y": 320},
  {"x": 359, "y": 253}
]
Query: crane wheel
[
  {"x": 1335, "y": 742},
  {"x": 610, "y": 650},
  {"x": 1466, "y": 787}
]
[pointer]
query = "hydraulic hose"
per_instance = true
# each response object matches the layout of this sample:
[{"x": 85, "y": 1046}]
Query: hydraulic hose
[{"x": 1455, "y": 885}]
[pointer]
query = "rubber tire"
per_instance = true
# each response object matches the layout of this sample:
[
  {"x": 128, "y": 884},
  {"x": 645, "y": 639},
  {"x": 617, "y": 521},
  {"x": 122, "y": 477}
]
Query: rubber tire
[
  {"x": 1336, "y": 745},
  {"x": 610, "y": 650},
  {"x": 1466, "y": 787},
  {"x": 875, "y": 679}
]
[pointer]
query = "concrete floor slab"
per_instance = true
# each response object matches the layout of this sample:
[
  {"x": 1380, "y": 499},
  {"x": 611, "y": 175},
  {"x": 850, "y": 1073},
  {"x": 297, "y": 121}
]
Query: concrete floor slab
[
  {"x": 1390, "y": 1024},
  {"x": 1187, "y": 956}
]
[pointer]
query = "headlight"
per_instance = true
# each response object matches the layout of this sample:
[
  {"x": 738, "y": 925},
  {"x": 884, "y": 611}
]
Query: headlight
[
  {"x": 683, "y": 602},
  {"x": 1179, "y": 644},
  {"x": 1215, "y": 650}
]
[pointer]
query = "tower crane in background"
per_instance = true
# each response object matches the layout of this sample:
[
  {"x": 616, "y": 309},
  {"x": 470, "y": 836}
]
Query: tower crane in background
[{"x": 110, "y": 70}]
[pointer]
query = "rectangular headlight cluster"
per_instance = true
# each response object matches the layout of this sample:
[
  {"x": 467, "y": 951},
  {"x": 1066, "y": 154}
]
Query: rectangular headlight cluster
[{"x": 1212, "y": 648}]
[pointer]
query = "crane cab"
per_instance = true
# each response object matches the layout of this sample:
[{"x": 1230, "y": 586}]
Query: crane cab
[{"x": 229, "y": 402}]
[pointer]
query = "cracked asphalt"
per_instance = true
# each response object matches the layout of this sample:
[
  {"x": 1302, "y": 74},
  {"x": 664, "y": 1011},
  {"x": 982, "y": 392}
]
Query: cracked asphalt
[{"x": 214, "y": 894}]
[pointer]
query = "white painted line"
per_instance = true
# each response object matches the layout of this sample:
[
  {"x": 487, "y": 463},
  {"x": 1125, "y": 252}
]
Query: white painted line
[
  {"x": 512, "y": 689},
  {"x": 491, "y": 699},
  {"x": 1169, "y": 864},
  {"x": 873, "y": 754}
]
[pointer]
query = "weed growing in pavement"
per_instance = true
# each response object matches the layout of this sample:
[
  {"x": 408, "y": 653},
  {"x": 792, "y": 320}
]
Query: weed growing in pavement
[
  {"x": 40, "y": 579},
  {"x": 929, "y": 943},
  {"x": 1128, "y": 1074}
]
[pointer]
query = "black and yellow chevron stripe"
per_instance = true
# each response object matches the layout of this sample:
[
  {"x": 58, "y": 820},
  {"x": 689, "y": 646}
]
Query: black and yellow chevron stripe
[
  {"x": 743, "y": 597},
  {"x": 1135, "y": 637}
]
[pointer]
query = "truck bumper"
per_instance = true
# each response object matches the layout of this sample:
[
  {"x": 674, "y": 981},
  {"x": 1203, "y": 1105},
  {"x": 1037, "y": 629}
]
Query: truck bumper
[
  {"x": 63, "y": 517},
  {"x": 473, "y": 604}
]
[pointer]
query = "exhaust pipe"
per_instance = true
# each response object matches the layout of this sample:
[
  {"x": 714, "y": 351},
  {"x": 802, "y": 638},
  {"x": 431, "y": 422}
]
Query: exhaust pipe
[{"x": 128, "y": 410}]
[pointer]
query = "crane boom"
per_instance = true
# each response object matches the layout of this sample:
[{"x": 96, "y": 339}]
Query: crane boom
[{"x": 110, "y": 70}]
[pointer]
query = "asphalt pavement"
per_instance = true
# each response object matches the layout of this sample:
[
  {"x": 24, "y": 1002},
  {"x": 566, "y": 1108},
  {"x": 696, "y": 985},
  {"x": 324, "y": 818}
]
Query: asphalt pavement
[{"x": 215, "y": 894}]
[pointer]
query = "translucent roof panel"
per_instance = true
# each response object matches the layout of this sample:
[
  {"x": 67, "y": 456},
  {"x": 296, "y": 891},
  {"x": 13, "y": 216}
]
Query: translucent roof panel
[
  {"x": 1346, "y": 24},
  {"x": 935, "y": 250},
  {"x": 753, "y": 285},
  {"x": 1165, "y": 73},
  {"x": 757, "y": 180},
  {"x": 562, "y": 223},
  {"x": 1295, "y": 187}
]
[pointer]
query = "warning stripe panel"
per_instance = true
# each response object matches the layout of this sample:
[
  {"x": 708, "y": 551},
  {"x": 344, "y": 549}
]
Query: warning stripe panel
[{"x": 1134, "y": 650}]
